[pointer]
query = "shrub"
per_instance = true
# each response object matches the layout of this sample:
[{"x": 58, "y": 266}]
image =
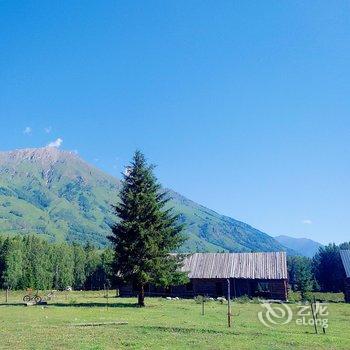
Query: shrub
[
  {"x": 295, "y": 297},
  {"x": 242, "y": 300}
]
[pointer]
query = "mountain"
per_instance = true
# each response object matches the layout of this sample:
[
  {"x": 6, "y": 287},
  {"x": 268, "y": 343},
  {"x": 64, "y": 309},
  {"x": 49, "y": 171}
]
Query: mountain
[
  {"x": 59, "y": 196},
  {"x": 303, "y": 246}
]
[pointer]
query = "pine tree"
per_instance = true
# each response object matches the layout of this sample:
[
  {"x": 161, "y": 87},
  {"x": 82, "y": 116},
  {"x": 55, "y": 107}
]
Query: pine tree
[
  {"x": 79, "y": 266},
  {"x": 106, "y": 267},
  {"x": 304, "y": 276},
  {"x": 37, "y": 265},
  {"x": 12, "y": 263},
  {"x": 147, "y": 232},
  {"x": 328, "y": 268},
  {"x": 63, "y": 265},
  {"x": 300, "y": 274},
  {"x": 92, "y": 263}
]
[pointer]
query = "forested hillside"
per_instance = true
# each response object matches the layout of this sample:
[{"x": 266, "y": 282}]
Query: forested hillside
[{"x": 57, "y": 195}]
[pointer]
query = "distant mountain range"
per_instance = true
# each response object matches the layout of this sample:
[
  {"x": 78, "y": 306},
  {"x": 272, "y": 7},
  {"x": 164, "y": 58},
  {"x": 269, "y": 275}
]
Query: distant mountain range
[
  {"x": 59, "y": 196},
  {"x": 302, "y": 246}
]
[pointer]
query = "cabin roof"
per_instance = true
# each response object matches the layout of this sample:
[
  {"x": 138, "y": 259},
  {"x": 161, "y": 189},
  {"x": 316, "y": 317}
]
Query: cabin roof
[
  {"x": 236, "y": 265},
  {"x": 345, "y": 257}
]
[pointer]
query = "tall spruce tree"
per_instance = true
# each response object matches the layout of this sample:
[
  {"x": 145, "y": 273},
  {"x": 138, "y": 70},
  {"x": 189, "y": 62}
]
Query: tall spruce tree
[
  {"x": 328, "y": 268},
  {"x": 147, "y": 232}
]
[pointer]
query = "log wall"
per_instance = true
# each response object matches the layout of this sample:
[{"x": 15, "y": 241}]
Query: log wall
[
  {"x": 273, "y": 289},
  {"x": 347, "y": 290}
]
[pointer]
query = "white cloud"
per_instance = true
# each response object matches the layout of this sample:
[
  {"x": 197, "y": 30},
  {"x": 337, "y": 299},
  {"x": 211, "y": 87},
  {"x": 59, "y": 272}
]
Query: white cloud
[
  {"x": 307, "y": 222},
  {"x": 27, "y": 130},
  {"x": 57, "y": 143},
  {"x": 48, "y": 129}
]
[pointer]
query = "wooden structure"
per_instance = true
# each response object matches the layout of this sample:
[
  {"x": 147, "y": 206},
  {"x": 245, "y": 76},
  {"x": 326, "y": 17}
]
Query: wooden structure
[
  {"x": 251, "y": 274},
  {"x": 345, "y": 257}
]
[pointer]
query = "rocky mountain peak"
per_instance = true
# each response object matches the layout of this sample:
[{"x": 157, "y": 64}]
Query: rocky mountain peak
[{"x": 44, "y": 155}]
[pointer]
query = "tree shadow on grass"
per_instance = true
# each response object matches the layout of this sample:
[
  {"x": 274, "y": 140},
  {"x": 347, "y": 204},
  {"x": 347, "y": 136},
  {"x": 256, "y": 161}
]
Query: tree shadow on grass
[
  {"x": 92, "y": 304},
  {"x": 185, "y": 330},
  {"x": 110, "y": 305}
]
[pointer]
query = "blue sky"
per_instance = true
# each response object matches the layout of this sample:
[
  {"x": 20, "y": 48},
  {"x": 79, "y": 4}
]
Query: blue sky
[{"x": 243, "y": 105}]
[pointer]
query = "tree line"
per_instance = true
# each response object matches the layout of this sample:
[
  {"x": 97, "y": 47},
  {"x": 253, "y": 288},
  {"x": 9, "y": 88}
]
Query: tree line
[
  {"x": 32, "y": 262},
  {"x": 324, "y": 272}
]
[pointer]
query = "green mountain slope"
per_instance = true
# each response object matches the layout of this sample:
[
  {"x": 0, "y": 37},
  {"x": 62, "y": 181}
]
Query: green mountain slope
[
  {"x": 55, "y": 194},
  {"x": 303, "y": 246},
  {"x": 59, "y": 196}
]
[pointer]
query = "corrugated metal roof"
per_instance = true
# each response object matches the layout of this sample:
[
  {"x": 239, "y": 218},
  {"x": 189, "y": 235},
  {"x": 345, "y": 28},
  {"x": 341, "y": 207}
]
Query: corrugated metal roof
[
  {"x": 236, "y": 265},
  {"x": 345, "y": 257}
]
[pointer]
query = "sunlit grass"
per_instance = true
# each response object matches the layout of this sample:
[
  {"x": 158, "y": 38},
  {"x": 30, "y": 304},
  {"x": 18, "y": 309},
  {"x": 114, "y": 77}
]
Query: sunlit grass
[{"x": 162, "y": 324}]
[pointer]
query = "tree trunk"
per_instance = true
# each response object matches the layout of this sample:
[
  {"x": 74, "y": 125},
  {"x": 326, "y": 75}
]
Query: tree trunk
[{"x": 141, "y": 296}]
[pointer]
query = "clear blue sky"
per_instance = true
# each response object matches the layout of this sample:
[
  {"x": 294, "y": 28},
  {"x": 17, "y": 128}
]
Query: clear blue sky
[{"x": 243, "y": 105}]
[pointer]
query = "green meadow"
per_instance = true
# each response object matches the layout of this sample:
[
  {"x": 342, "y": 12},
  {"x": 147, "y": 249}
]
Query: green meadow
[{"x": 82, "y": 320}]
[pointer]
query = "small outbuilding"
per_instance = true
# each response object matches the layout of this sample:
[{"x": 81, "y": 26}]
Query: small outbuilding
[
  {"x": 345, "y": 257},
  {"x": 210, "y": 274}
]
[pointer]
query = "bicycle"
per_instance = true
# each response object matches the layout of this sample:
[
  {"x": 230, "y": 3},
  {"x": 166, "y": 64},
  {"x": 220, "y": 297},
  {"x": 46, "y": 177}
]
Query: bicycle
[
  {"x": 51, "y": 295},
  {"x": 32, "y": 297}
]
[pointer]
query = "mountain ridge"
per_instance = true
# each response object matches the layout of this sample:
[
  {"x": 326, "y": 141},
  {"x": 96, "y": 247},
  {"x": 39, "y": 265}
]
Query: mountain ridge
[
  {"x": 57, "y": 194},
  {"x": 304, "y": 246}
]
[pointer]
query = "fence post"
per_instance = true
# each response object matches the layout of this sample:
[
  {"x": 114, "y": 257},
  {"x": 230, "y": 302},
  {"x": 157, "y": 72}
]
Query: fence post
[
  {"x": 228, "y": 303},
  {"x": 7, "y": 295},
  {"x": 314, "y": 317}
]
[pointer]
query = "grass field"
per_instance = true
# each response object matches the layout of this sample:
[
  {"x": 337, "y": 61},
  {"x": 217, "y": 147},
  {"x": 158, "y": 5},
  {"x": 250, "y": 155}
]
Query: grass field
[{"x": 162, "y": 324}]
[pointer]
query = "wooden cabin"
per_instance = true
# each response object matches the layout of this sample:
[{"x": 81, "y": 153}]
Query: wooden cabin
[
  {"x": 345, "y": 257},
  {"x": 250, "y": 274}
]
